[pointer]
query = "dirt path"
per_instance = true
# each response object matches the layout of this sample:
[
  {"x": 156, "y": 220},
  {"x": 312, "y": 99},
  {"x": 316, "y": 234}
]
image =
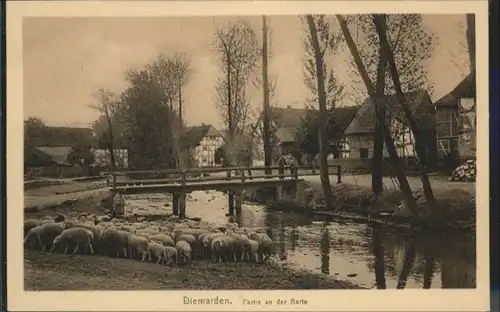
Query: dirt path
[
  {"x": 46, "y": 271},
  {"x": 49, "y": 199},
  {"x": 415, "y": 182}
]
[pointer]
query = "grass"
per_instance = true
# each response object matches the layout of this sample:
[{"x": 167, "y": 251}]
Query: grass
[{"x": 46, "y": 271}]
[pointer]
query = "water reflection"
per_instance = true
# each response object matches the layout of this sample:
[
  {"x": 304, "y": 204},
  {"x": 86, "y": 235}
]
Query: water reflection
[
  {"x": 379, "y": 255},
  {"x": 369, "y": 256},
  {"x": 325, "y": 252}
]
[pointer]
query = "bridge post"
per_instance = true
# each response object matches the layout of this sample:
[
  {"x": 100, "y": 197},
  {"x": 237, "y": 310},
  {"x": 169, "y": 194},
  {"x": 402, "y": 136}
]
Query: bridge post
[
  {"x": 339, "y": 174},
  {"x": 238, "y": 201},
  {"x": 175, "y": 204},
  {"x": 230, "y": 197},
  {"x": 182, "y": 205}
]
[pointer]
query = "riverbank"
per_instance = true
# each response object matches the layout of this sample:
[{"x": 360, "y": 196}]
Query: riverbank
[
  {"x": 46, "y": 271},
  {"x": 355, "y": 201}
]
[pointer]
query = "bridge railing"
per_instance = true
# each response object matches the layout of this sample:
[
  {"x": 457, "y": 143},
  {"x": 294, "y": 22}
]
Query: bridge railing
[{"x": 185, "y": 176}]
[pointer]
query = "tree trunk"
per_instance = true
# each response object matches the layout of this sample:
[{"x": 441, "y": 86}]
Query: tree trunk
[
  {"x": 389, "y": 142},
  {"x": 378, "y": 142},
  {"x": 265, "y": 82},
  {"x": 471, "y": 41},
  {"x": 323, "y": 122},
  {"x": 111, "y": 140},
  {"x": 380, "y": 24}
]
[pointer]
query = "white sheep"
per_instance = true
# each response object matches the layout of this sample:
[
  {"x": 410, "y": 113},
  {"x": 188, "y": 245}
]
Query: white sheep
[
  {"x": 199, "y": 245},
  {"x": 78, "y": 236},
  {"x": 222, "y": 248},
  {"x": 207, "y": 243},
  {"x": 266, "y": 245},
  {"x": 254, "y": 250},
  {"x": 183, "y": 251},
  {"x": 29, "y": 224},
  {"x": 191, "y": 239},
  {"x": 113, "y": 242},
  {"x": 241, "y": 245},
  {"x": 137, "y": 246},
  {"x": 157, "y": 251},
  {"x": 31, "y": 239},
  {"x": 48, "y": 233},
  {"x": 164, "y": 239},
  {"x": 171, "y": 254}
]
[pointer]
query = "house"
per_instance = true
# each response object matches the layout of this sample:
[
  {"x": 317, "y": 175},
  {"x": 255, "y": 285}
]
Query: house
[
  {"x": 456, "y": 120},
  {"x": 102, "y": 154},
  {"x": 46, "y": 152},
  {"x": 360, "y": 132},
  {"x": 288, "y": 119},
  {"x": 54, "y": 143},
  {"x": 203, "y": 141}
]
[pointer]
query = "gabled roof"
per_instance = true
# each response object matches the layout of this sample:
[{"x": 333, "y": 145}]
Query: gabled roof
[
  {"x": 59, "y": 154},
  {"x": 193, "y": 135},
  {"x": 418, "y": 102},
  {"x": 465, "y": 89},
  {"x": 61, "y": 136},
  {"x": 289, "y": 118},
  {"x": 34, "y": 157}
]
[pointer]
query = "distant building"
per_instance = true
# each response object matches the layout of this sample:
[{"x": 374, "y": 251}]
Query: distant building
[
  {"x": 288, "y": 120},
  {"x": 203, "y": 141},
  {"x": 103, "y": 156},
  {"x": 360, "y": 132},
  {"x": 52, "y": 146},
  {"x": 456, "y": 120}
]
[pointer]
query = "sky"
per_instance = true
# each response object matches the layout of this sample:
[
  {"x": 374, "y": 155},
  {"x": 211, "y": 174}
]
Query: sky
[{"x": 66, "y": 59}]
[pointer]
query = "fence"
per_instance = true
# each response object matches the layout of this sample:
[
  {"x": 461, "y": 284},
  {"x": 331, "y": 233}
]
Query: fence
[{"x": 60, "y": 172}]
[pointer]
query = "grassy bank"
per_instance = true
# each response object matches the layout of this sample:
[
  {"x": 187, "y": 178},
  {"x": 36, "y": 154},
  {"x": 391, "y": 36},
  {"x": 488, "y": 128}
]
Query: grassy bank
[{"x": 455, "y": 207}]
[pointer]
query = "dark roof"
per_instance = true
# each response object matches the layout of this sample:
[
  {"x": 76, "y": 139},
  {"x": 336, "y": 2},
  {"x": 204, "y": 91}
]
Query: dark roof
[
  {"x": 288, "y": 119},
  {"x": 344, "y": 116},
  {"x": 465, "y": 89},
  {"x": 418, "y": 102},
  {"x": 34, "y": 157},
  {"x": 61, "y": 136},
  {"x": 193, "y": 135}
]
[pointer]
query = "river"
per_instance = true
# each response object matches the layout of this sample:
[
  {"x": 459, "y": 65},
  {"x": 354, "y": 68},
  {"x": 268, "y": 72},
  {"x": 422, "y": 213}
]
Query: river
[{"x": 363, "y": 254}]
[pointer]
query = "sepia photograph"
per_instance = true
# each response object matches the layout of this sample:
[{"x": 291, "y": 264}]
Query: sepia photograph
[{"x": 266, "y": 151}]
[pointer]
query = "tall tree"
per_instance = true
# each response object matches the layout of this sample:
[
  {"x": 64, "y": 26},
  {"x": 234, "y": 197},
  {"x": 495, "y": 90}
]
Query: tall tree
[
  {"x": 319, "y": 41},
  {"x": 238, "y": 56},
  {"x": 412, "y": 44},
  {"x": 149, "y": 119},
  {"x": 265, "y": 88},
  {"x": 379, "y": 21},
  {"x": 471, "y": 41},
  {"x": 33, "y": 127},
  {"x": 106, "y": 104},
  {"x": 389, "y": 142}
]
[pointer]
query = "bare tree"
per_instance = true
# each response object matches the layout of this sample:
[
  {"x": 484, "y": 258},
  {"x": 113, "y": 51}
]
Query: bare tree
[
  {"x": 379, "y": 21},
  {"x": 318, "y": 42},
  {"x": 106, "y": 104},
  {"x": 412, "y": 42},
  {"x": 389, "y": 142},
  {"x": 238, "y": 55}
]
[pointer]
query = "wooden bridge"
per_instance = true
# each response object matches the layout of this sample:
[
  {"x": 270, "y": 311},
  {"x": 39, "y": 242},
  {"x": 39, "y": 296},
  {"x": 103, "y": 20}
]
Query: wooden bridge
[{"x": 232, "y": 180}]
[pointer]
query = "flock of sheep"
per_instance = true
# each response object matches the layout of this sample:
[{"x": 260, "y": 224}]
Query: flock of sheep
[{"x": 135, "y": 241}]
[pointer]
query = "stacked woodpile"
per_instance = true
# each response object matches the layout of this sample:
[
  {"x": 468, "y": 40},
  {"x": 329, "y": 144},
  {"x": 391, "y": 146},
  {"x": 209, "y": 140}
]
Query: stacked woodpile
[{"x": 466, "y": 172}]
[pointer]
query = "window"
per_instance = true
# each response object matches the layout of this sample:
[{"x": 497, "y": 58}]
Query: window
[{"x": 363, "y": 152}]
